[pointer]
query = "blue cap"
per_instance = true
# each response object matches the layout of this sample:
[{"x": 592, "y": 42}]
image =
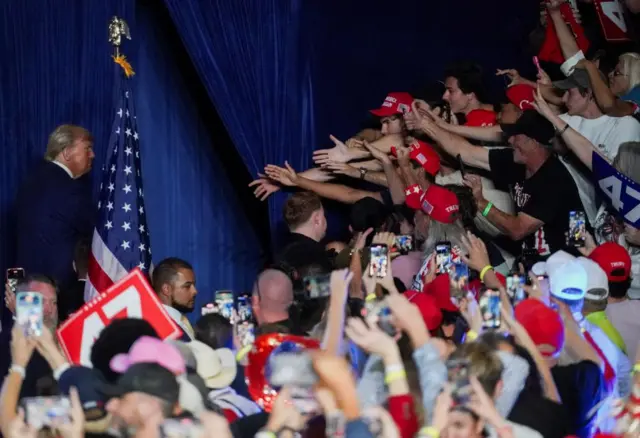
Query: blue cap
[{"x": 87, "y": 382}]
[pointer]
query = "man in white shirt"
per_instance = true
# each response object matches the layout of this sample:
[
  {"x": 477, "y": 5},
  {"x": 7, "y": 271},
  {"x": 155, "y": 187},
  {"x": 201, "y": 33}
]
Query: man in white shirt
[
  {"x": 174, "y": 281},
  {"x": 605, "y": 132}
]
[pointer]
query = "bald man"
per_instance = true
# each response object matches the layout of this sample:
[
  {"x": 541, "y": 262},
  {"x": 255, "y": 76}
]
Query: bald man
[{"x": 272, "y": 297}]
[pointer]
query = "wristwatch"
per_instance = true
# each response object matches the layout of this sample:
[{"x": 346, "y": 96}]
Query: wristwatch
[{"x": 363, "y": 172}]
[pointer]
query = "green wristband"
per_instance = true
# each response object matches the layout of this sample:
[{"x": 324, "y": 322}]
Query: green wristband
[{"x": 487, "y": 209}]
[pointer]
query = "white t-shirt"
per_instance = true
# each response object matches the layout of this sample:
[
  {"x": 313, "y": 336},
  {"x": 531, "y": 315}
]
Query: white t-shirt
[{"x": 607, "y": 134}]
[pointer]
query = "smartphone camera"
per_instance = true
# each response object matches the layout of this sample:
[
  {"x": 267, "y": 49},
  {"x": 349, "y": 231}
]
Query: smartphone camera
[
  {"x": 29, "y": 313},
  {"x": 14, "y": 276},
  {"x": 378, "y": 261},
  {"x": 50, "y": 412},
  {"x": 293, "y": 369},
  {"x": 490, "y": 309},
  {"x": 515, "y": 287},
  {"x": 458, "y": 376},
  {"x": 317, "y": 286},
  {"x": 459, "y": 275},
  {"x": 577, "y": 229},
  {"x": 404, "y": 243},
  {"x": 224, "y": 304},
  {"x": 443, "y": 257}
]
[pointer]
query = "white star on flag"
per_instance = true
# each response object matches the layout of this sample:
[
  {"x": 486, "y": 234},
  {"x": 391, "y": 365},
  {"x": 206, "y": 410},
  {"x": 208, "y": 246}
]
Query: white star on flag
[
  {"x": 127, "y": 170},
  {"x": 113, "y": 168},
  {"x": 127, "y": 151},
  {"x": 110, "y": 206},
  {"x": 127, "y": 132},
  {"x": 141, "y": 228},
  {"x": 142, "y": 266},
  {"x": 111, "y": 187},
  {"x": 120, "y": 112},
  {"x": 108, "y": 225},
  {"x": 126, "y": 188},
  {"x": 126, "y": 226},
  {"x": 125, "y": 245},
  {"x": 118, "y": 130},
  {"x": 141, "y": 210},
  {"x": 126, "y": 207},
  {"x": 141, "y": 247},
  {"x": 135, "y": 135}
]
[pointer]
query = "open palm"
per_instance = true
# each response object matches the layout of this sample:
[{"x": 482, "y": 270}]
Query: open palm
[{"x": 286, "y": 176}]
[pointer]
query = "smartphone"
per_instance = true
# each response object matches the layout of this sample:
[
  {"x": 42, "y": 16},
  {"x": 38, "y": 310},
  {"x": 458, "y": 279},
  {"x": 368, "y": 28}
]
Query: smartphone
[
  {"x": 378, "y": 260},
  {"x": 459, "y": 275},
  {"x": 14, "y": 276},
  {"x": 443, "y": 257},
  {"x": 208, "y": 308},
  {"x": 577, "y": 229},
  {"x": 404, "y": 243},
  {"x": 48, "y": 412},
  {"x": 294, "y": 369},
  {"x": 515, "y": 287},
  {"x": 461, "y": 164},
  {"x": 384, "y": 320},
  {"x": 181, "y": 428},
  {"x": 458, "y": 376},
  {"x": 29, "y": 312},
  {"x": 317, "y": 286},
  {"x": 224, "y": 303},
  {"x": 246, "y": 332},
  {"x": 490, "y": 309},
  {"x": 245, "y": 314}
]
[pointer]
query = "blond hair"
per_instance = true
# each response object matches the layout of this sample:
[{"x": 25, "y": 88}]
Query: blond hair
[
  {"x": 62, "y": 137},
  {"x": 628, "y": 160},
  {"x": 631, "y": 68}
]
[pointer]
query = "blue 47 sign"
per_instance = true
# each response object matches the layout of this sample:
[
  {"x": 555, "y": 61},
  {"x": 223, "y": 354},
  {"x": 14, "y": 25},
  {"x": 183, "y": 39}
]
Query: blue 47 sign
[{"x": 620, "y": 192}]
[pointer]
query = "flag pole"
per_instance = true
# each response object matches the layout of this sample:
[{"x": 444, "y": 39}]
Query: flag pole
[{"x": 117, "y": 29}]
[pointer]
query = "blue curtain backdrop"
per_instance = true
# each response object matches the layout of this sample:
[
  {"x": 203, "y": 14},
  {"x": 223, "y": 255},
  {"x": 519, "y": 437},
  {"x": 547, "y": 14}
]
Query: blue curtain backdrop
[
  {"x": 253, "y": 57},
  {"x": 285, "y": 73},
  {"x": 57, "y": 69}
]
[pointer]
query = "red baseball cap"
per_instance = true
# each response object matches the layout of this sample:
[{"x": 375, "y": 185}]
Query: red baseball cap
[
  {"x": 440, "y": 290},
  {"x": 430, "y": 311},
  {"x": 424, "y": 154},
  {"x": 522, "y": 96},
  {"x": 613, "y": 257},
  {"x": 543, "y": 324},
  {"x": 440, "y": 204},
  {"x": 481, "y": 117},
  {"x": 394, "y": 103}
]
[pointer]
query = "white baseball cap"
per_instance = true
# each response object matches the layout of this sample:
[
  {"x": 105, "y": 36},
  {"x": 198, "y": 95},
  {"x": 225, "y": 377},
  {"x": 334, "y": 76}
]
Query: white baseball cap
[
  {"x": 568, "y": 281},
  {"x": 597, "y": 282}
]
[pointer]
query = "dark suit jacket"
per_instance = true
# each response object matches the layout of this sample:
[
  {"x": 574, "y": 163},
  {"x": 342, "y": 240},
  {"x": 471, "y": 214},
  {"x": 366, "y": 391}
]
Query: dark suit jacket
[{"x": 53, "y": 212}]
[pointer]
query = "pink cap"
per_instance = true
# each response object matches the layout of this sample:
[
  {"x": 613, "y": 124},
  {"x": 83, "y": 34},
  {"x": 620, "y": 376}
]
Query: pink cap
[{"x": 150, "y": 350}]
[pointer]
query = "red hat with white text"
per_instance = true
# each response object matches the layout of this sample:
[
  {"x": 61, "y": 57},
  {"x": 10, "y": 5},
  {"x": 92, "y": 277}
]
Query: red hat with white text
[
  {"x": 424, "y": 154},
  {"x": 522, "y": 96},
  {"x": 394, "y": 103},
  {"x": 481, "y": 118},
  {"x": 439, "y": 203},
  {"x": 614, "y": 260}
]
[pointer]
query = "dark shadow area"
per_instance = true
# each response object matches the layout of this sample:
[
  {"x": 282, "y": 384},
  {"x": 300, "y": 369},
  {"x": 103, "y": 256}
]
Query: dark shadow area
[{"x": 223, "y": 146}]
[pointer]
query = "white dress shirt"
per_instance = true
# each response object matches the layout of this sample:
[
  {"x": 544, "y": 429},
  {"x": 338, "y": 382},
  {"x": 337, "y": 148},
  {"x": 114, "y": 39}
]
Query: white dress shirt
[
  {"x": 65, "y": 168},
  {"x": 177, "y": 317}
]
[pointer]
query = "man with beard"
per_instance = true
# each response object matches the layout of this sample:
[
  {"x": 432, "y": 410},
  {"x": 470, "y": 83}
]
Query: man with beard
[{"x": 175, "y": 283}]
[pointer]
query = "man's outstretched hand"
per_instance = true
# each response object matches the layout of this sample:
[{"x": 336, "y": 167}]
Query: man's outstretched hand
[
  {"x": 264, "y": 187},
  {"x": 339, "y": 153},
  {"x": 284, "y": 175}
]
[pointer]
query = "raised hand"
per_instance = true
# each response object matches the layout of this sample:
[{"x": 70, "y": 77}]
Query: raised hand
[
  {"x": 264, "y": 187},
  {"x": 338, "y": 153},
  {"x": 339, "y": 168},
  {"x": 284, "y": 175},
  {"x": 512, "y": 74}
]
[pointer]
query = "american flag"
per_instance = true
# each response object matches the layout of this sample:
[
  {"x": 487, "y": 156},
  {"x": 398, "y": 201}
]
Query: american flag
[{"x": 121, "y": 237}]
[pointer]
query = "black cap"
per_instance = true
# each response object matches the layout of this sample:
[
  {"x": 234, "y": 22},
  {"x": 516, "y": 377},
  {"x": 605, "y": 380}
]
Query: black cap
[
  {"x": 533, "y": 125},
  {"x": 578, "y": 79},
  {"x": 149, "y": 378},
  {"x": 88, "y": 382}
]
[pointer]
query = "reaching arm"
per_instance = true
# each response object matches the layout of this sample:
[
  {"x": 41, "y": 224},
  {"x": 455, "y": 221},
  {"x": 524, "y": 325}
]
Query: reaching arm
[
  {"x": 516, "y": 227},
  {"x": 609, "y": 102},
  {"x": 317, "y": 174},
  {"x": 455, "y": 145},
  {"x": 491, "y": 133},
  {"x": 337, "y": 192},
  {"x": 568, "y": 43}
]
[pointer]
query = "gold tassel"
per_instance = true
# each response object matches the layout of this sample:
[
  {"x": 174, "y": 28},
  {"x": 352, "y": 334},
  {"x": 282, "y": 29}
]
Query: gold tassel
[{"x": 121, "y": 60}]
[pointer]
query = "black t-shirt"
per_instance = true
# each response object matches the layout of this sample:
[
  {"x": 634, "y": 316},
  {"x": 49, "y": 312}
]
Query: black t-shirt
[
  {"x": 548, "y": 195},
  {"x": 302, "y": 251},
  {"x": 540, "y": 414},
  {"x": 581, "y": 388}
]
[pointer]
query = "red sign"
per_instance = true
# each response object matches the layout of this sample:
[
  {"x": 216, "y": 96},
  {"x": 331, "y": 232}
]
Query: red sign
[
  {"x": 131, "y": 297},
  {"x": 611, "y": 15}
]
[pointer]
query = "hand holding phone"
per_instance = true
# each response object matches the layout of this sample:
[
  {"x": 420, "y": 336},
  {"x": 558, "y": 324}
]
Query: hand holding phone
[
  {"x": 317, "y": 286},
  {"x": 30, "y": 313},
  {"x": 536, "y": 62},
  {"x": 515, "y": 287},
  {"x": 490, "y": 309},
  {"x": 14, "y": 276},
  {"x": 443, "y": 257},
  {"x": 577, "y": 229},
  {"x": 224, "y": 303},
  {"x": 378, "y": 260},
  {"x": 458, "y": 376},
  {"x": 50, "y": 412}
]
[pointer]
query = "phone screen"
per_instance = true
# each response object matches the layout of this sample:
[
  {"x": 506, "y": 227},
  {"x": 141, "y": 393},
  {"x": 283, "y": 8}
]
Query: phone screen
[
  {"x": 317, "y": 286},
  {"x": 459, "y": 275},
  {"x": 292, "y": 369},
  {"x": 443, "y": 257},
  {"x": 244, "y": 309},
  {"x": 384, "y": 321},
  {"x": 378, "y": 261},
  {"x": 458, "y": 376},
  {"x": 47, "y": 411},
  {"x": 208, "y": 308},
  {"x": 577, "y": 228},
  {"x": 29, "y": 313},
  {"x": 404, "y": 243},
  {"x": 224, "y": 303},
  {"x": 14, "y": 275},
  {"x": 515, "y": 287},
  {"x": 490, "y": 309}
]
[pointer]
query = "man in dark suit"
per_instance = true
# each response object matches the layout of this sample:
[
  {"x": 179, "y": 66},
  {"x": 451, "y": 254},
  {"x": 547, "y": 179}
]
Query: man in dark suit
[{"x": 54, "y": 209}]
